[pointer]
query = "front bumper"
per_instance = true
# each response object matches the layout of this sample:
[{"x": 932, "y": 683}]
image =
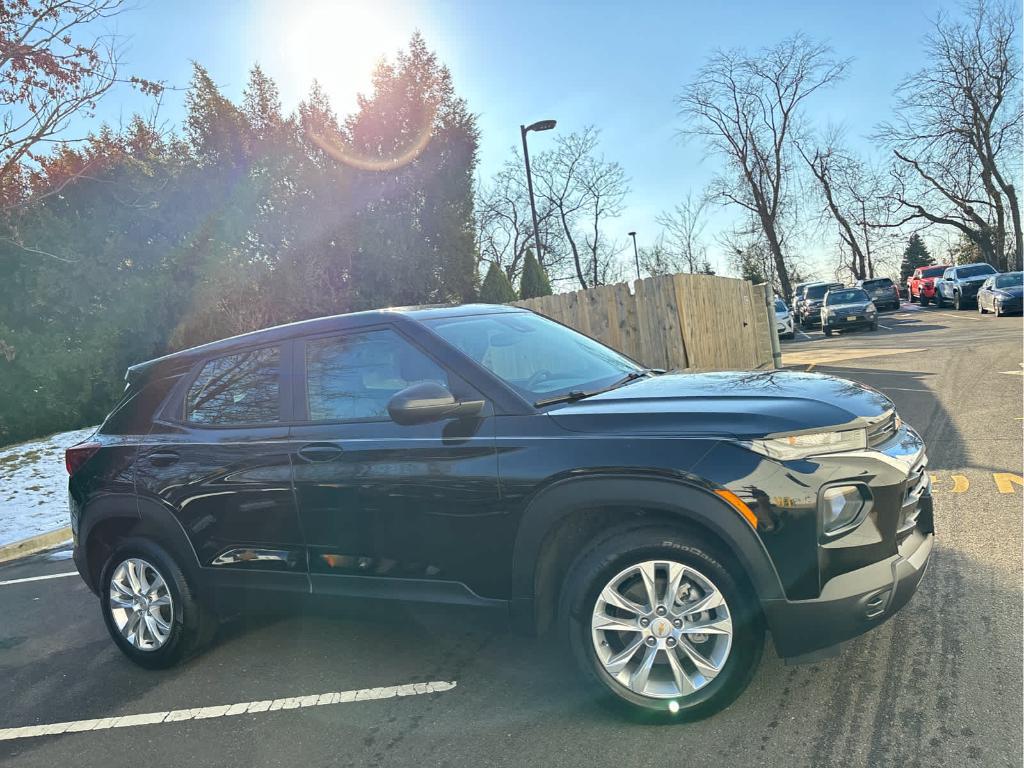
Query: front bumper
[
  {"x": 841, "y": 322},
  {"x": 1010, "y": 305},
  {"x": 855, "y": 601}
]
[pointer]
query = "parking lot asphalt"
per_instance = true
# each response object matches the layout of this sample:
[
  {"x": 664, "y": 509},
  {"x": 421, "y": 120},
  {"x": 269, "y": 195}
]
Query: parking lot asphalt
[{"x": 938, "y": 685}]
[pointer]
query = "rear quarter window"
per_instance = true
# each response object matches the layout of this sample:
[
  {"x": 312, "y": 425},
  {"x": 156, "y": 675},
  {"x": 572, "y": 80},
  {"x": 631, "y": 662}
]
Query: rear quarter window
[
  {"x": 244, "y": 388},
  {"x": 133, "y": 415}
]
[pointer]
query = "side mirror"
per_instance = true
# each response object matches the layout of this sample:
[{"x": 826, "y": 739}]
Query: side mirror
[{"x": 429, "y": 401}]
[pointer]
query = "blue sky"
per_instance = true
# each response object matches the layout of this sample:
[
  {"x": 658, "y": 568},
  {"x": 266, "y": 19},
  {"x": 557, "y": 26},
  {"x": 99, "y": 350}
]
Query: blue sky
[{"x": 614, "y": 65}]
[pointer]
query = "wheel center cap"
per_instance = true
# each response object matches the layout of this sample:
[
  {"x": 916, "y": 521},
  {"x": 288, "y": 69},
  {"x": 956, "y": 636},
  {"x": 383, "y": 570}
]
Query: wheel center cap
[{"x": 661, "y": 628}]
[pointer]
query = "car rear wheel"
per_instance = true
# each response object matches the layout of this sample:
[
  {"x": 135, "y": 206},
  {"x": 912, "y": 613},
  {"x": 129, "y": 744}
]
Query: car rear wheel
[
  {"x": 827, "y": 331},
  {"x": 149, "y": 607},
  {"x": 660, "y": 624},
  {"x": 874, "y": 326}
]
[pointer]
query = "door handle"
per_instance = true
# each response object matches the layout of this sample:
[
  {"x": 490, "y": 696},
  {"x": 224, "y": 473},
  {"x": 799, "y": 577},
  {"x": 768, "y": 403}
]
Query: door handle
[
  {"x": 320, "y": 452},
  {"x": 163, "y": 458}
]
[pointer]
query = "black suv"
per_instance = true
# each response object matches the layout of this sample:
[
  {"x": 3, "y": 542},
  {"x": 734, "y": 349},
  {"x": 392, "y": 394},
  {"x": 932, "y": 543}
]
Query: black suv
[
  {"x": 814, "y": 298},
  {"x": 488, "y": 456}
]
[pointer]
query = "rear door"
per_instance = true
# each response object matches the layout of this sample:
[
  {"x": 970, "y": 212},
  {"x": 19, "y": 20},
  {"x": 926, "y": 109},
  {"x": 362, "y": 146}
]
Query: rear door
[
  {"x": 218, "y": 459},
  {"x": 413, "y": 505}
]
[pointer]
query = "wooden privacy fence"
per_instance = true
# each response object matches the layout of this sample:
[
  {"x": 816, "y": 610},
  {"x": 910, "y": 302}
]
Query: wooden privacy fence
[{"x": 676, "y": 322}]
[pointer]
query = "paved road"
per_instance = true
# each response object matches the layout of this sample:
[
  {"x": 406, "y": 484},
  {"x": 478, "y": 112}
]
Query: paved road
[{"x": 939, "y": 685}]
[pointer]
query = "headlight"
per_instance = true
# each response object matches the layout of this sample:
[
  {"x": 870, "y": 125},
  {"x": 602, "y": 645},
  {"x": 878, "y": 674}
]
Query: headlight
[
  {"x": 814, "y": 444},
  {"x": 840, "y": 506},
  {"x": 871, "y": 309}
]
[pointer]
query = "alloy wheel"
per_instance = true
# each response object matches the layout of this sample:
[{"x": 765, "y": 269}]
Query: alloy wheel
[
  {"x": 141, "y": 604},
  {"x": 662, "y": 629}
]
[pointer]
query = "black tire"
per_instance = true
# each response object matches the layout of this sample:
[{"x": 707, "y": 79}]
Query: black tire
[
  {"x": 624, "y": 547},
  {"x": 957, "y": 304},
  {"x": 924, "y": 300},
  {"x": 913, "y": 299},
  {"x": 789, "y": 336},
  {"x": 192, "y": 622},
  {"x": 997, "y": 311},
  {"x": 874, "y": 326},
  {"x": 827, "y": 331},
  {"x": 981, "y": 309}
]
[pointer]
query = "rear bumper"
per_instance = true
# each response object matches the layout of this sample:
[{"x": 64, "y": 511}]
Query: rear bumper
[{"x": 854, "y": 602}]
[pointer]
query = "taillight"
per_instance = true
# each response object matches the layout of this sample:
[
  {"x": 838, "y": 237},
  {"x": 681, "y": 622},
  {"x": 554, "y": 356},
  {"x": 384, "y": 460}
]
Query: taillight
[{"x": 77, "y": 455}]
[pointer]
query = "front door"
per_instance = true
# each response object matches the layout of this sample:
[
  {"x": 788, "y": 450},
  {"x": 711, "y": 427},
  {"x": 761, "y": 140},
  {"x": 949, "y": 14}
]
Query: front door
[{"x": 379, "y": 500}]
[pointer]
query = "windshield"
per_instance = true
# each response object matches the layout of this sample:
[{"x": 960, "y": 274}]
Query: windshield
[
  {"x": 974, "y": 270},
  {"x": 872, "y": 285},
  {"x": 933, "y": 272},
  {"x": 780, "y": 306},
  {"x": 848, "y": 296},
  {"x": 817, "y": 291},
  {"x": 537, "y": 357},
  {"x": 1009, "y": 280}
]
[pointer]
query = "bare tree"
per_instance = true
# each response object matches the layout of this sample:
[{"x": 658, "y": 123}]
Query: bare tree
[
  {"x": 854, "y": 197},
  {"x": 504, "y": 225},
  {"x": 747, "y": 108},
  {"x": 683, "y": 245},
  {"x": 956, "y": 137},
  {"x": 584, "y": 191},
  {"x": 53, "y": 67}
]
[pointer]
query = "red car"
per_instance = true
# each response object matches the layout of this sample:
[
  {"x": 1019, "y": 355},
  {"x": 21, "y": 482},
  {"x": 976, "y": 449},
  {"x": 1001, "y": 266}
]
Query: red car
[{"x": 921, "y": 284}]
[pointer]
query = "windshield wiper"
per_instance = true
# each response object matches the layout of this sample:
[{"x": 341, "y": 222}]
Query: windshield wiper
[{"x": 578, "y": 394}]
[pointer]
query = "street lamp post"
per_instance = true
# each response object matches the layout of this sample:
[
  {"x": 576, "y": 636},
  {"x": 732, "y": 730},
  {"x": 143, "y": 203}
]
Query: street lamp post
[
  {"x": 636, "y": 255},
  {"x": 540, "y": 125}
]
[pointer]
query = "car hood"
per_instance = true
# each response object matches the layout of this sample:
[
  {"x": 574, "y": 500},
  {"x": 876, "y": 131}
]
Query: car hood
[
  {"x": 740, "y": 404},
  {"x": 973, "y": 280},
  {"x": 855, "y": 306},
  {"x": 1016, "y": 291}
]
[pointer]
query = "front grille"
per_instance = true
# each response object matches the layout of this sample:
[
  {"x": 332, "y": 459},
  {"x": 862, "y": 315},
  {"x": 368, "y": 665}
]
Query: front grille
[
  {"x": 918, "y": 484},
  {"x": 882, "y": 430}
]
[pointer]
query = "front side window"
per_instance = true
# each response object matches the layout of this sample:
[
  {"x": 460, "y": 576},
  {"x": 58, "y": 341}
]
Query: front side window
[
  {"x": 353, "y": 377},
  {"x": 237, "y": 389},
  {"x": 537, "y": 357}
]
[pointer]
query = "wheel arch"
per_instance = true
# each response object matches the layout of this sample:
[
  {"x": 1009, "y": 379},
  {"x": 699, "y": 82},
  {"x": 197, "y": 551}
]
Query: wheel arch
[
  {"x": 116, "y": 516},
  {"x": 569, "y": 513}
]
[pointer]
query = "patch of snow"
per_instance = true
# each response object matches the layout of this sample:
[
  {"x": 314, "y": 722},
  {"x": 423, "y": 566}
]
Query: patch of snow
[{"x": 34, "y": 485}]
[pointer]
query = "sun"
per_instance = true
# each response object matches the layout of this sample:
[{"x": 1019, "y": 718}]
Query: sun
[{"x": 338, "y": 44}]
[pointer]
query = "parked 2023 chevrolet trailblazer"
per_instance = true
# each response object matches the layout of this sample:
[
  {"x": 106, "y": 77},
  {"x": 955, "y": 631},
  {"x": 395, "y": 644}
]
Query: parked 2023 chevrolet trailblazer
[{"x": 487, "y": 456}]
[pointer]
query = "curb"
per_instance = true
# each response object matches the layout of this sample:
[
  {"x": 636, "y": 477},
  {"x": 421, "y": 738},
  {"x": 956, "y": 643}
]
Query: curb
[{"x": 33, "y": 544}]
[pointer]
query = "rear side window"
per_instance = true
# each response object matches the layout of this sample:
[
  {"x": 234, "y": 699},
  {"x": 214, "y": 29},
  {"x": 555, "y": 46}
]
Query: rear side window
[
  {"x": 237, "y": 389},
  {"x": 353, "y": 377}
]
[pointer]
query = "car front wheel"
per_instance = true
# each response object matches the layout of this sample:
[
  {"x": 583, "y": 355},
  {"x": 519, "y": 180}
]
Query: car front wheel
[
  {"x": 660, "y": 624},
  {"x": 149, "y": 607},
  {"x": 956, "y": 302}
]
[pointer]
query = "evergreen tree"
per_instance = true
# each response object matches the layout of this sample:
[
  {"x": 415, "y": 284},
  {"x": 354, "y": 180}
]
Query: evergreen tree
[
  {"x": 534, "y": 281},
  {"x": 497, "y": 289},
  {"x": 916, "y": 255}
]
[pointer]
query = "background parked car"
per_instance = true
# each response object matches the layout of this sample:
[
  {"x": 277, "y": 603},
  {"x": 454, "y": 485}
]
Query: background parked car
[
  {"x": 883, "y": 292},
  {"x": 848, "y": 308},
  {"x": 783, "y": 319},
  {"x": 921, "y": 284},
  {"x": 1002, "y": 294},
  {"x": 959, "y": 285},
  {"x": 814, "y": 297},
  {"x": 797, "y": 297}
]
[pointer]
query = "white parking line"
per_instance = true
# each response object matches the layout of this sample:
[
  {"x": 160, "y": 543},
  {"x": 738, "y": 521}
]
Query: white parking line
[
  {"x": 227, "y": 710},
  {"x": 38, "y": 578}
]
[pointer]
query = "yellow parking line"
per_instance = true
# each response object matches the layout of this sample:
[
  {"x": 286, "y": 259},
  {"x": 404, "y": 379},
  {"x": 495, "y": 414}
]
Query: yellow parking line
[{"x": 1006, "y": 480}]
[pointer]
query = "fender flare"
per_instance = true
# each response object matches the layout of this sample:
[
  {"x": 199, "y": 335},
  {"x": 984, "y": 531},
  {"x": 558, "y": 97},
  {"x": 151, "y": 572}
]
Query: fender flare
[
  {"x": 149, "y": 515},
  {"x": 685, "y": 500}
]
